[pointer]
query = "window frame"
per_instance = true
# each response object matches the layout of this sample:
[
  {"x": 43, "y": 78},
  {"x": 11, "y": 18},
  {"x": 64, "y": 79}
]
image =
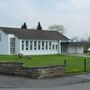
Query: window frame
[
  {"x": 31, "y": 45},
  {"x": 39, "y": 48},
  {"x": 35, "y": 45},
  {"x": 23, "y": 45},
  {"x": 42, "y": 45},
  {"x": 27, "y": 45}
]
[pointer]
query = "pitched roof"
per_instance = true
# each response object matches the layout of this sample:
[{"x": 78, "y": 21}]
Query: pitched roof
[{"x": 34, "y": 34}]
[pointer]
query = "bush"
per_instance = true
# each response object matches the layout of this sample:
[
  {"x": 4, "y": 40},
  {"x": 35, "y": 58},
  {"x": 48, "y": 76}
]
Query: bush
[
  {"x": 85, "y": 51},
  {"x": 20, "y": 55},
  {"x": 27, "y": 57},
  {"x": 75, "y": 70}
]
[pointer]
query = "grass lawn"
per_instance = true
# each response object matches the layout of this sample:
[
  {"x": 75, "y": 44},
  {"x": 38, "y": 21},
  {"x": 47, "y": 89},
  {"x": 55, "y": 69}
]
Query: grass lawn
[{"x": 74, "y": 64}]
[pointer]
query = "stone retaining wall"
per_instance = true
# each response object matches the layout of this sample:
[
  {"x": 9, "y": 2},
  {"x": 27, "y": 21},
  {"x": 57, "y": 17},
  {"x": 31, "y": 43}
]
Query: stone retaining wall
[{"x": 16, "y": 68}]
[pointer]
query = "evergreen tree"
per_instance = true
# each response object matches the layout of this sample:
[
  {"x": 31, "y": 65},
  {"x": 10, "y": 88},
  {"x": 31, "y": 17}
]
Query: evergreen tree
[
  {"x": 39, "y": 27},
  {"x": 24, "y": 26}
]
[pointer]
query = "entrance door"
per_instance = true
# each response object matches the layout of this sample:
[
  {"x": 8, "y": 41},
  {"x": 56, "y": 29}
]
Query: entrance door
[{"x": 12, "y": 45}]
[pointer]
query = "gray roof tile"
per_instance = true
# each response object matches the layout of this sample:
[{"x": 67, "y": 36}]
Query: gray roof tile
[{"x": 34, "y": 34}]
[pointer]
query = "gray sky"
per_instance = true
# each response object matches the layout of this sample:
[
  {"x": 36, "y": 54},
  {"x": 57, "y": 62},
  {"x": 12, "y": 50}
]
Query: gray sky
[{"x": 73, "y": 14}]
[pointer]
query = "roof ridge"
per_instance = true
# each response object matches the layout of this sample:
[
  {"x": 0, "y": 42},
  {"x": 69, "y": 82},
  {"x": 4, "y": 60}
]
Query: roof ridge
[{"x": 27, "y": 29}]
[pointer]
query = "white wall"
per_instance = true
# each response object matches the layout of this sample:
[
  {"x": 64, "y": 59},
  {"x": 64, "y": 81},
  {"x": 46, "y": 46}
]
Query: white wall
[
  {"x": 17, "y": 45},
  {"x": 5, "y": 46},
  {"x": 75, "y": 49},
  {"x": 10, "y": 36},
  {"x": 40, "y": 52},
  {"x": 4, "y": 43},
  {"x": 80, "y": 49},
  {"x": 59, "y": 47}
]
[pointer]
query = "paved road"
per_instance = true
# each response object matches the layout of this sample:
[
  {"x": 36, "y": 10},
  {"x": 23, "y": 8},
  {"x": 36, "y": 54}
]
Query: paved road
[
  {"x": 20, "y": 83},
  {"x": 10, "y": 81},
  {"x": 82, "y": 86}
]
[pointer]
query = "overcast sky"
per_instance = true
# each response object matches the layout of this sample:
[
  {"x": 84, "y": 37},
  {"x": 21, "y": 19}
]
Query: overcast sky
[{"x": 73, "y": 14}]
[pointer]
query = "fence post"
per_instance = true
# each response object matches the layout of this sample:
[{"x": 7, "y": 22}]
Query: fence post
[
  {"x": 85, "y": 65},
  {"x": 65, "y": 62}
]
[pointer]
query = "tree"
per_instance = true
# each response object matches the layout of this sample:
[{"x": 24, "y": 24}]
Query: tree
[
  {"x": 75, "y": 38},
  {"x": 24, "y": 26},
  {"x": 83, "y": 39},
  {"x": 39, "y": 27},
  {"x": 89, "y": 38},
  {"x": 59, "y": 28}
]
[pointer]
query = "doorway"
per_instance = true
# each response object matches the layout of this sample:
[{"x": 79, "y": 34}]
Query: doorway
[{"x": 12, "y": 45}]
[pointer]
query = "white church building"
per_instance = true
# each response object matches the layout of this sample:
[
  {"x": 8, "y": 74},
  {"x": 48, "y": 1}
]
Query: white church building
[{"x": 35, "y": 42}]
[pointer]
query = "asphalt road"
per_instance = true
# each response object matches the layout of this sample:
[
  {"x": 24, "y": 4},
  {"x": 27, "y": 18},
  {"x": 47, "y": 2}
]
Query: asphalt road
[
  {"x": 63, "y": 83},
  {"x": 82, "y": 86},
  {"x": 20, "y": 82}
]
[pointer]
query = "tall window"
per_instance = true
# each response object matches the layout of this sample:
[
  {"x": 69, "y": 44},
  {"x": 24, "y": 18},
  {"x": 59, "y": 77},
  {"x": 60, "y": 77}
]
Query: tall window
[
  {"x": 46, "y": 45},
  {"x": 35, "y": 45},
  {"x": 38, "y": 45},
  {"x": 49, "y": 45},
  {"x": 12, "y": 42},
  {"x": 53, "y": 47},
  {"x": 30, "y": 45},
  {"x": 22, "y": 45},
  {"x": 42, "y": 45},
  {"x": 26, "y": 45},
  {"x": 56, "y": 46}
]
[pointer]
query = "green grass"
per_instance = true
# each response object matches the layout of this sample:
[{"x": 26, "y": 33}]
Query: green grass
[{"x": 74, "y": 64}]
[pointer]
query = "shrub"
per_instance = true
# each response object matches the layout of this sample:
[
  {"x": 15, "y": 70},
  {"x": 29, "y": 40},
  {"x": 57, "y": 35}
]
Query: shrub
[
  {"x": 75, "y": 70},
  {"x": 20, "y": 55},
  {"x": 27, "y": 57}
]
